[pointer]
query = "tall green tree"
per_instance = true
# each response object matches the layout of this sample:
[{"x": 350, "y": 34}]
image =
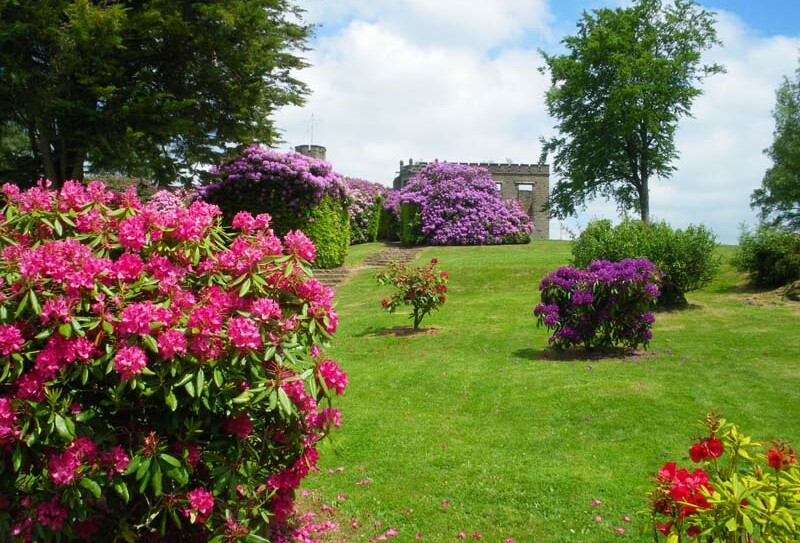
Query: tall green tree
[
  {"x": 145, "y": 87},
  {"x": 778, "y": 198},
  {"x": 629, "y": 75}
]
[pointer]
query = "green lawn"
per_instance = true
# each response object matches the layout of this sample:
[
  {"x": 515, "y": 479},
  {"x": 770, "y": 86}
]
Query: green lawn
[{"x": 475, "y": 427}]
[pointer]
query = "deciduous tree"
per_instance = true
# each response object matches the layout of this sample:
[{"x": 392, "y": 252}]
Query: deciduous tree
[
  {"x": 629, "y": 75},
  {"x": 148, "y": 88},
  {"x": 778, "y": 198}
]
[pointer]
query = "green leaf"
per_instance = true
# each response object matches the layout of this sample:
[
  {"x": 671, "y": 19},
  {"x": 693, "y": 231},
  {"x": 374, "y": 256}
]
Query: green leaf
[
  {"x": 244, "y": 397},
  {"x": 200, "y": 381},
  {"x": 144, "y": 468},
  {"x": 35, "y": 303},
  {"x": 245, "y": 288},
  {"x": 179, "y": 475},
  {"x": 122, "y": 489},
  {"x": 155, "y": 479},
  {"x": 133, "y": 465},
  {"x": 218, "y": 380},
  {"x": 65, "y": 428},
  {"x": 747, "y": 523},
  {"x": 171, "y": 400},
  {"x": 150, "y": 343},
  {"x": 253, "y": 538},
  {"x": 171, "y": 460},
  {"x": 731, "y": 525},
  {"x": 65, "y": 330},
  {"x": 284, "y": 401},
  {"x": 91, "y": 486},
  {"x": 189, "y": 386},
  {"x": 16, "y": 458}
]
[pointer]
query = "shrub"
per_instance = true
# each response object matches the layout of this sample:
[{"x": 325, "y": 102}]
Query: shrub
[
  {"x": 329, "y": 227},
  {"x": 742, "y": 492},
  {"x": 166, "y": 200},
  {"x": 458, "y": 204},
  {"x": 160, "y": 379},
  {"x": 366, "y": 202},
  {"x": 290, "y": 187},
  {"x": 604, "y": 306},
  {"x": 771, "y": 256},
  {"x": 421, "y": 287},
  {"x": 685, "y": 257},
  {"x": 389, "y": 224},
  {"x": 145, "y": 188}
]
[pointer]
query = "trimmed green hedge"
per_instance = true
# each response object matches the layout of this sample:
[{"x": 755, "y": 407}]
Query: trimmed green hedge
[
  {"x": 410, "y": 225},
  {"x": 328, "y": 224}
]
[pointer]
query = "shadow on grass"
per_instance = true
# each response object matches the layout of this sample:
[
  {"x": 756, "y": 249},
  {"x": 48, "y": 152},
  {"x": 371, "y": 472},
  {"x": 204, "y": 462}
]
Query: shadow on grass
[
  {"x": 398, "y": 331},
  {"x": 576, "y": 354}
]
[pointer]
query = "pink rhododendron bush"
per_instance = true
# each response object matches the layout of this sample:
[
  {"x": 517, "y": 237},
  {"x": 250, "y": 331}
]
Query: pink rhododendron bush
[{"x": 160, "y": 378}]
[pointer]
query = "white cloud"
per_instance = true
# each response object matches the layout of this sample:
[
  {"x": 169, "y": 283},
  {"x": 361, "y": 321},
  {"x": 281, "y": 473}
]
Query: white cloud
[{"x": 457, "y": 80}]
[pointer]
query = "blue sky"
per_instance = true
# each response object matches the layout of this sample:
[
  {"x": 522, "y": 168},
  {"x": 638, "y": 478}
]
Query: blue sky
[{"x": 457, "y": 80}]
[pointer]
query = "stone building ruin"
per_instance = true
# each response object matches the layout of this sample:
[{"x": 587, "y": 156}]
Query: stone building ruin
[{"x": 528, "y": 184}]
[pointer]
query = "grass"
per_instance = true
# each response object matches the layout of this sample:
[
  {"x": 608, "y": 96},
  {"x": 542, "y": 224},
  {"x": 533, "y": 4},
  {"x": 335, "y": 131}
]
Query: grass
[{"x": 475, "y": 427}]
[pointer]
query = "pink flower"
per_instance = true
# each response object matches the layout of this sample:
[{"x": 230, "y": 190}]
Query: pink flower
[
  {"x": 63, "y": 467},
  {"x": 598, "y": 518},
  {"x": 445, "y": 503},
  {"x": 596, "y": 502},
  {"x": 11, "y": 339},
  {"x": 391, "y": 532},
  {"x": 116, "y": 461},
  {"x": 132, "y": 232},
  {"x": 462, "y": 535},
  {"x": 137, "y": 318},
  {"x": 333, "y": 375},
  {"x": 620, "y": 531},
  {"x": 418, "y": 536},
  {"x": 84, "y": 448},
  {"x": 130, "y": 361},
  {"x": 51, "y": 514},
  {"x": 201, "y": 503},
  {"x": 244, "y": 333},
  {"x": 476, "y": 536},
  {"x": 170, "y": 343},
  {"x": 265, "y": 309},
  {"x": 298, "y": 244},
  {"x": 240, "y": 426},
  {"x": 9, "y": 432}
]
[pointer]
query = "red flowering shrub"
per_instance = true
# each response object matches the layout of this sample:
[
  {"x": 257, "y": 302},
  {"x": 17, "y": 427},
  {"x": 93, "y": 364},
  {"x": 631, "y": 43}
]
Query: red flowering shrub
[
  {"x": 421, "y": 287},
  {"x": 160, "y": 379},
  {"x": 740, "y": 494}
]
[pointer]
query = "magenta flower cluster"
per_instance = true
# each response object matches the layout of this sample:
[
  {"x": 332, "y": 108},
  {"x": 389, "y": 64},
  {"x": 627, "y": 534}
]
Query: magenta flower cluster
[
  {"x": 365, "y": 199},
  {"x": 603, "y": 306},
  {"x": 286, "y": 185},
  {"x": 459, "y": 205},
  {"x": 161, "y": 379}
]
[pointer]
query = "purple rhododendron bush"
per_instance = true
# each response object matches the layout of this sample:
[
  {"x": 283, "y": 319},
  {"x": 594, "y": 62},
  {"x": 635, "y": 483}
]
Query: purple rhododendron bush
[
  {"x": 457, "y": 204},
  {"x": 606, "y": 305},
  {"x": 365, "y": 204},
  {"x": 298, "y": 192},
  {"x": 160, "y": 378}
]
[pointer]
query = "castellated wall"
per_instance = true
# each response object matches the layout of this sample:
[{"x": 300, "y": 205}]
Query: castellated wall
[{"x": 529, "y": 184}]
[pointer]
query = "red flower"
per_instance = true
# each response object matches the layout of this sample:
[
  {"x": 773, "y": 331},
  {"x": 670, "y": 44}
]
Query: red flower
[
  {"x": 708, "y": 447},
  {"x": 780, "y": 456}
]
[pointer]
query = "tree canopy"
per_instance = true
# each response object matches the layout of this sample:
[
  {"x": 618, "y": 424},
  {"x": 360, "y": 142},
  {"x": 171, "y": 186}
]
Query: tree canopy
[
  {"x": 149, "y": 87},
  {"x": 778, "y": 198},
  {"x": 629, "y": 75}
]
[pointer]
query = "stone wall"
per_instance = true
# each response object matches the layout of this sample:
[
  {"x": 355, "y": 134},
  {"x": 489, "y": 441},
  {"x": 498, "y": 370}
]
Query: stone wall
[{"x": 529, "y": 184}]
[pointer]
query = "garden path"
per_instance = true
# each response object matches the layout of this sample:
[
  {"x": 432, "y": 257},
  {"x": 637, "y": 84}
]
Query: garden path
[{"x": 390, "y": 252}]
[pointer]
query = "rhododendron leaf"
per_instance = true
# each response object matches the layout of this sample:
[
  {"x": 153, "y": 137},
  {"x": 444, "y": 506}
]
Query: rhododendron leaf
[
  {"x": 65, "y": 427},
  {"x": 144, "y": 468},
  {"x": 91, "y": 486},
  {"x": 179, "y": 475},
  {"x": 273, "y": 400},
  {"x": 748, "y": 524},
  {"x": 244, "y": 397},
  {"x": 84, "y": 376},
  {"x": 65, "y": 330},
  {"x": 108, "y": 327},
  {"x": 189, "y": 387},
  {"x": 673, "y": 538},
  {"x": 171, "y": 400},
  {"x": 185, "y": 379},
  {"x": 253, "y": 538},
  {"x": 731, "y": 525},
  {"x": 245, "y": 288},
  {"x": 150, "y": 343},
  {"x": 37, "y": 309},
  {"x": 155, "y": 479},
  {"x": 133, "y": 465},
  {"x": 23, "y": 304},
  {"x": 16, "y": 458},
  {"x": 218, "y": 377},
  {"x": 144, "y": 482},
  {"x": 284, "y": 402}
]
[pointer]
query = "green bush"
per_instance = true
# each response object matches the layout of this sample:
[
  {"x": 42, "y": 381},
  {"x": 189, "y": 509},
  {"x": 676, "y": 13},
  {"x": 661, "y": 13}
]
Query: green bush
[
  {"x": 685, "y": 257},
  {"x": 328, "y": 224},
  {"x": 410, "y": 225},
  {"x": 388, "y": 226},
  {"x": 771, "y": 256}
]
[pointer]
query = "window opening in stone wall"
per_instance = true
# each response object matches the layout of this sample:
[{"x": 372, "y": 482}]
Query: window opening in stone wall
[
  {"x": 498, "y": 186},
  {"x": 525, "y": 187}
]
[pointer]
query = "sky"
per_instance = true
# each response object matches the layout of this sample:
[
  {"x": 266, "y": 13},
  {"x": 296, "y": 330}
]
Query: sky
[{"x": 457, "y": 80}]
